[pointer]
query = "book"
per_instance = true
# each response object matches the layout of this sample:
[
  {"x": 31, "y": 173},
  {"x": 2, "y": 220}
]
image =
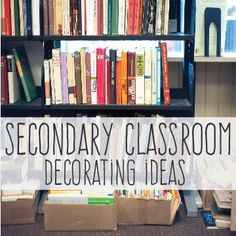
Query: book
[
  {"x": 140, "y": 84},
  {"x": 51, "y": 17},
  {"x": 27, "y": 14},
  {"x": 147, "y": 77},
  {"x": 25, "y": 73},
  {"x": 124, "y": 79},
  {"x": 47, "y": 89},
  {"x": 93, "y": 62},
  {"x": 222, "y": 224},
  {"x": 99, "y": 9},
  {"x": 79, "y": 17},
  {"x": 66, "y": 17},
  {"x": 131, "y": 78},
  {"x": 77, "y": 61},
  {"x": 36, "y": 17},
  {"x": 21, "y": 17},
  {"x": 74, "y": 17},
  {"x": 130, "y": 17},
  {"x": 53, "y": 98},
  {"x": 56, "y": 62},
  {"x": 7, "y": 14},
  {"x": 220, "y": 214},
  {"x": 114, "y": 19},
  {"x": 158, "y": 24},
  {"x": 100, "y": 75},
  {"x": 17, "y": 17},
  {"x": 165, "y": 75},
  {"x": 64, "y": 79},
  {"x": 159, "y": 76},
  {"x": 137, "y": 15},
  {"x": 109, "y": 16},
  {"x": 3, "y": 32},
  {"x": 118, "y": 78},
  {"x": 84, "y": 17},
  {"x": 88, "y": 77},
  {"x": 4, "y": 82},
  {"x": 13, "y": 80},
  {"x": 154, "y": 76},
  {"x": 105, "y": 17},
  {"x": 57, "y": 10},
  {"x": 121, "y": 16},
  {"x": 145, "y": 17},
  {"x": 45, "y": 17},
  {"x": 108, "y": 78},
  {"x": 83, "y": 75},
  {"x": 71, "y": 78},
  {"x": 208, "y": 220},
  {"x": 112, "y": 76},
  {"x": 151, "y": 17},
  {"x": 166, "y": 16},
  {"x": 223, "y": 199},
  {"x": 12, "y": 7}
]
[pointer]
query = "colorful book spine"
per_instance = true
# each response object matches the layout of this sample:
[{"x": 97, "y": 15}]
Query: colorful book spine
[
  {"x": 4, "y": 82},
  {"x": 74, "y": 6},
  {"x": 17, "y": 17},
  {"x": 124, "y": 81},
  {"x": 165, "y": 74},
  {"x": 159, "y": 76},
  {"x": 147, "y": 77},
  {"x": 7, "y": 7},
  {"x": 57, "y": 5},
  {"x": 131, "y": 78},
  {"x": 118, "y": 78},
  {"x": 79, "y": 17},
  {"x": 105, "y": 17},
  {"x": 140, "y": 85},
  {"x": 114, "y": 20},
  {"x": 109, "y": 17},
  {"x": 98, "y": 20},
  {"x": 113, "y": 76},
  {"x": 158, "y": 17},
  {"x": 51, "y": 17},
  {"x": 137, "y": 10},
  {"x": 3, "y": 32},
  {"x": 154, "y": 76},
  {"x": 53, "y": 98},
  {"x": 130, "y": 17},
  {"x": 93, "y": 78},
  {"x": 83, "y": 75},
  {"x": 100, "y": 76},
  {"x": 47, "y": 89},
  {"x": 146, "y": 8},
  {"x": 71, "y": 78},
  {"x": 151, "y": 17},
  {"x": 45, "y": 17},
  {"x": 108, "y": 78},
  {"x": 88, "y": 77},
  {"x": 12, "y": 3},
  {"x": 28, "y": 17},
  {"x": 64, "y": 79},
  {"x": 78, "y": 82}
]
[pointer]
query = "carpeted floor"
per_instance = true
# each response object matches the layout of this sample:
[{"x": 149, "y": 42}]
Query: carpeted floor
[{"x": 182, "y": 226}]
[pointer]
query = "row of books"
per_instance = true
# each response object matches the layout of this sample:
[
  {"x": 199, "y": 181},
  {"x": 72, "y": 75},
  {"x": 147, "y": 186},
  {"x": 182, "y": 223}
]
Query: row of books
[
  {"x": 108, "y": 76},
  {"x": 16, "y": 77},
  {"x": 85, "y": 17}
]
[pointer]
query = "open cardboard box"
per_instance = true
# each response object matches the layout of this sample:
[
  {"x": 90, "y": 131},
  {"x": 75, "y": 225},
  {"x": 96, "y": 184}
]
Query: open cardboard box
[
  {"x": 58, "y": 217},
  {"x": 21, "y": 211},
  {"x": 141, "y": 211}
]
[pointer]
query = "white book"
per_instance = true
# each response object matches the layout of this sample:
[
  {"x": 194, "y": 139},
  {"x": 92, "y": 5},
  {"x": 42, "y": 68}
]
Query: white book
[
  {"x": 47, "y": 81},
  {"x": 94, "y": 14},
  {"x": 22, "y": 33},
  {"x": 83, "y": 75},
  {"x": 159, "y": 76},
  {"x": 89, "y": 16},
  {"x": 158, "y": 24},
  {"x": 93, "y": 78},
  {"x": 36, "y": 17},
  {"x": 71, "y": 77},
  {"x": 67, "y": 199},
  {"x": 121, "y": 17},
  {"x": 52, "y": 82},
  {"x": 105, "y": 17},
  {"x": 147, "y": 77},
  {"x": 139, "y": 87},
  {"x": 83, "y": 17},
  {"x": 57, "y": 74},
  {"x": 66, "y": 17},
  {"x": 166, "y": 19},
  {"x": 154, "y": 76},
  {"x": 12, "y": 18},
  {"x": 13, "y": 80}
]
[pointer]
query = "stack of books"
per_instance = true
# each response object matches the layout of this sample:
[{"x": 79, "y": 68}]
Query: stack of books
[
  {"x": 80, "y": 198},
  {"x": 9, "y": 196},
  {"x": 108, "y": 76},
  {"x": 85, "y": 17}
]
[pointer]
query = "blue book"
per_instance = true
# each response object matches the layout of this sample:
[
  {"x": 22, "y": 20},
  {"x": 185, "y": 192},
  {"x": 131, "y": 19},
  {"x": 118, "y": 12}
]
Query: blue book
[{"x": 27, "y": 17}]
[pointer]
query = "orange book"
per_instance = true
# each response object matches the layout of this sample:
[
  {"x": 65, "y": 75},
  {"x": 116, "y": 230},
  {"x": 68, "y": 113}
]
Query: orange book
[
  {"x": 124, "y": 79},
  {"x": 137, "y": 9},
  {"x": 57, "y": 5},
  {"x": 131, "y": 7},
  {"x": 118, "y": 82}
]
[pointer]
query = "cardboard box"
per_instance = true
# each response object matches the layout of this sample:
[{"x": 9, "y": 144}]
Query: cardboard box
[
  {"x": 21, "y": 211},
  {"x": 233, "y": 212},
  {"x": 59, "y": 217},
  {"x": 139, "y": 211},
  {"x": 207, "y": 199}
]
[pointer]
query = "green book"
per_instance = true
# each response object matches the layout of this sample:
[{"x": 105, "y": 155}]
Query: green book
[
  {"x": 25, "y": 73},
  {"x": 114, "y": 17},
  {"x": 17, "y": 17},
  {"x": 101, "y": 200},
  {"x": 109, "y": 16}
]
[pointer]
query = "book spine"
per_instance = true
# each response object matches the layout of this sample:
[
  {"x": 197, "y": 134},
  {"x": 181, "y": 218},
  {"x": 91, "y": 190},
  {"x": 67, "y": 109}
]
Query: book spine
[
  {"x": 100, "y": 76},
  {"x": 141, "y": 17},
  {"x": 7, "y": 6},
  {"x": 131, "y": 14},
  {"x": 84, "y": 17},
  {"x": 137, "y": 9},
  {"x": 88, "y": 77},
  {"x": 94, "y": 29},
  {"x": 131, "y": 78},
  {"x": 28, "y": 16},
  {"x": 121, "y": 16},
  {"x": 3, "y": 32},
  {"x": 140, "y": 85},
  {"x": 98, "y": 20},
  {"x": 165, "y": 74},
  {"x": 47, "y": 83},
  {"x": 105, "y": 17},
  {"x": 158, "y": 17},
  {"x": 75, "y": 17},
  {"x": 21, "y": 17},
  {"x": 4, "y": 82},
  {"x": 78, "y": 83},
  {"x": 51, "y": 17},
  {"x": 58, "y": 17},
  {"x": 71, "y": 78},
  {"x": 66, "y": 17},
  {"x": 145, "y": 17},
  {"x": 36, "y": 17},
  {"x": 151, "y": 17},
  {"x": 57, "y": 74},
  {"x": 101, "y": 18},
  {"x": 147, "y": 77},
  {"x": 154, "y": 76},
  {"x": 108, "y": 78},
  {"x": 64, "y": 79},
  {"x": 109, "y": 17},
  {"x": 159, "y": 77},
  {"x": 45, "y": 17},
  {"x": 113, "y": 76},
  {"x": 124, "y": 85},
  {"x": 12, "y": 17},
  {"x": 163, "y": 17},
  {"x": 79, "y": 17},
  {"x": 53, "y": 97},
  {"x": 83, "y": 75},
  {"x": 118, "y": 82},
  {"x": 166, "y": 17},
  {"x": 93, "y": 78},
  {"x": 89, "y": 16}
]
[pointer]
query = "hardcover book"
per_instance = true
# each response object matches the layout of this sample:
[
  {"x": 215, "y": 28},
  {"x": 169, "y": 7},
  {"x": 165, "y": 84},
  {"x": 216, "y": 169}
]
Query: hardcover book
[{"x": 131, "y": 78}]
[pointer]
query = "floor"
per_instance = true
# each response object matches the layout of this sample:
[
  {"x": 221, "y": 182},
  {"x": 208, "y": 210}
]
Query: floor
[{"x": 182, "y": 226}]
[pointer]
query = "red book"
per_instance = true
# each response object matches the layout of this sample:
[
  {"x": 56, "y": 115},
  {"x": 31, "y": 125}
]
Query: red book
[
  {"x": 100, "y": 76},
  {"x": 4, "y": 82},
  {"x": 88, "y": 76},
  {"x": 99, "y": 17},
  {"x": 108, "y": 75},
  {"x": 165, "y": 74},
  {"x": 131, "y": 7},
  {"x": 7, "y": 5},
  {"x": 85, "y": 18},
  {"x": 118, "y": 82},
  {"x": 137, "y": 9}
]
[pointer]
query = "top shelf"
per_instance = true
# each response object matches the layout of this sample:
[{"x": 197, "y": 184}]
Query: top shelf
[{"x": 173, "y": 37}]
